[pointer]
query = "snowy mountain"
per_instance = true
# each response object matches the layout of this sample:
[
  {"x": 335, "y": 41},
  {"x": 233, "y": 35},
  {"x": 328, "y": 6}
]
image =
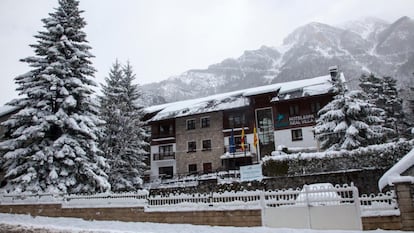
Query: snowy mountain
[
  {"x": 367, "y": 45},
  {"x": 368, "y": 28}
]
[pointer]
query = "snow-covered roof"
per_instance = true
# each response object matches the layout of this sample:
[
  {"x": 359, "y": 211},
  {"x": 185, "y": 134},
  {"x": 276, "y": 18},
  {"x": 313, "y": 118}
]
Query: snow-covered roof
[
  {"x": 6, "y": 109},
  {"x": 394, "y": 174},
  {"x": 196, "y": 106},
  {"x": 236, "y": 99}
]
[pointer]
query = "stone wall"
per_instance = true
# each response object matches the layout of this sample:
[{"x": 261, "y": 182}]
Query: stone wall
[
  {"x": 405, "y": 198},
  {"x": 238, "y": 218},
  {"x": 381, "y": 222}
]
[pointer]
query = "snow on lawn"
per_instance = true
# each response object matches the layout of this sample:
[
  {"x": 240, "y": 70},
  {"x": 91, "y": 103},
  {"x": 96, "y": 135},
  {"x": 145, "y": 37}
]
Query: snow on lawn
[{"x": 79, "y": 225}]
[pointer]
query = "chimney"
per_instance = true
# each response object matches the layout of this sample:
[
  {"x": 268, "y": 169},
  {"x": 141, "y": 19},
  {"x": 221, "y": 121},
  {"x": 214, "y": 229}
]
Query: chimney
[{"x": 333, "y": 71}]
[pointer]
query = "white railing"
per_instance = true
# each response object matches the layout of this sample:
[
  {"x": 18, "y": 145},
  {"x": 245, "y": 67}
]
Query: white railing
[
  {"x": 31, "y": 199},
  {"x": 383, "y": 204},
  {"x": 312, "y": 195},
  {"x": 280, "y": 197},
  {"x": 225, "y": 200},
  {"x": 130, "y": 199}
]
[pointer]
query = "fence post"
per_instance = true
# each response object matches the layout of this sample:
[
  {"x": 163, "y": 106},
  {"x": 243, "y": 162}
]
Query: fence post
[
  {"x": 308, "y": 206},
  {"x": 263, "y": 206},
  {"x": 404, "y": 192},
  {"x": 357, "y": 201}
]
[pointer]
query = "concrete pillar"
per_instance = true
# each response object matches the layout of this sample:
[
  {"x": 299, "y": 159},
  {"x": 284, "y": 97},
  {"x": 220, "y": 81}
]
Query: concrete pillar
[{"x": 405, "y": 198}]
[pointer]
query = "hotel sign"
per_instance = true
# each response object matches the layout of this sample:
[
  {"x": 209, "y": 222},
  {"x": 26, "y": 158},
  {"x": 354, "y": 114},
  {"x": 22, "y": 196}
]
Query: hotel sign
[
  {"x": 300, "y": 120},
  {"x": 251, "y": 172}
]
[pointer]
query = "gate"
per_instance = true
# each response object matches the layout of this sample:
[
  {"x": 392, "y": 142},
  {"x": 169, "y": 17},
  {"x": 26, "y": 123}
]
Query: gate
[{"x": 317, "y": 206}]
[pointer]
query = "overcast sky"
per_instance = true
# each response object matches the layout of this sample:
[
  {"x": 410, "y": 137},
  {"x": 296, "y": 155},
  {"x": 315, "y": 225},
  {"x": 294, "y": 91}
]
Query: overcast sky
[{"x": 163, "y": 38}]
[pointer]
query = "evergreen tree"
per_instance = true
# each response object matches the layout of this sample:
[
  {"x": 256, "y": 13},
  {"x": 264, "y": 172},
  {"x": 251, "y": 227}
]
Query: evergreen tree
[
  {"x": 383, "y": 93},
  {"x": 349, "y": 122},
  {"x": 393, "y": 106},
  {"x": 408, "y": 94},
  {"x": 53, "y": 141},
  {"x": 124, "y": 141}
]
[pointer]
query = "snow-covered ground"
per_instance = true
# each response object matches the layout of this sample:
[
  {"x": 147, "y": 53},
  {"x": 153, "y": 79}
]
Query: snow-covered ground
[{"x": 40, "y": 224}]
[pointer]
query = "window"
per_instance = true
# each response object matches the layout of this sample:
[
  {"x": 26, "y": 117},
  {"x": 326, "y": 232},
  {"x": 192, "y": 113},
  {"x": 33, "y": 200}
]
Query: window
[
  {"x": 166, "y": 150},
  {"x": 297, "y": 135},
  {"x": 192, "y": 146},
  {"x": 206, "y": 145},
  {"x": 192, "y": 168},
  {"x": 190, "y": 124},
  {"x": 166, "y": 172},
  {"x": 166, "y": 129},
  {"x": 237, "y": 121},
  {"x": 315, "y": 107},
  {"x": 207, "y": 168},
  {"x": 293, "y": 110},
  {"x": 205, "y": 122}
]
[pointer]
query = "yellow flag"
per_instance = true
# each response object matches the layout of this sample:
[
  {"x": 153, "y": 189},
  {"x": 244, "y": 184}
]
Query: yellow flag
[
  {"x": 242, "y": 139},
  {"x": 255, "y": 139}
]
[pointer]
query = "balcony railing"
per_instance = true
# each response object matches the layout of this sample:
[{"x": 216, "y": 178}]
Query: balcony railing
[
  {"x": 238, "y": 148},
  {"x": 163, "y": 135},
  {"x": 163, "y": 156}
]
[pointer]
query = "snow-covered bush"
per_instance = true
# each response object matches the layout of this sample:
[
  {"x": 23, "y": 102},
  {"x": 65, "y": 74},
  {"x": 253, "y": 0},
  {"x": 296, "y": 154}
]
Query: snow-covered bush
[{"x": 374, "y": 156}]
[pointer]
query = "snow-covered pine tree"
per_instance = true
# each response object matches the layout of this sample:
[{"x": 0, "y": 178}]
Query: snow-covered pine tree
[
  {"x": 109, "y": 109},
  {"x": 53, "y": 143},
  {"x": 383, "y": 93},
  {"x": 408, "y": 106},
  {"x": 373, "y": 88},
  {"x": 393, "y": 106},
  {"x": 349, "y": 122},
  {"x": 124, "y": 141}
]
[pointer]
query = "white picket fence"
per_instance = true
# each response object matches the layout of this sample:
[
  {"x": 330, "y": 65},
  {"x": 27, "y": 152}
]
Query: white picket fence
[
  {"x": 370, "y": 205},
  {"x": 130, "y": 199},
  {"x": 213, "y": 201},
  {"x": 382, "y": 204}
]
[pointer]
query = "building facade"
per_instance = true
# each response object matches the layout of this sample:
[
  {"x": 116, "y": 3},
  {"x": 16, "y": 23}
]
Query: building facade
[
  {"x": 218, "y": 132},
  {"x": 199, "y": 140}
]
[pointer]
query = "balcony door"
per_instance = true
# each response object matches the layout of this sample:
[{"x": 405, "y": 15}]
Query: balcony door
[{"x": 265, "y": 131}]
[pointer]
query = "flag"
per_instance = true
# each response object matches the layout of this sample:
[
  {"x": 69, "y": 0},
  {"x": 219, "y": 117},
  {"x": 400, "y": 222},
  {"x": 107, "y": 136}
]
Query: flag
[
  {"x": 255, "y": 139},
  {"x": 232, "y": 146},
  {"x": 242, "y": 139}
]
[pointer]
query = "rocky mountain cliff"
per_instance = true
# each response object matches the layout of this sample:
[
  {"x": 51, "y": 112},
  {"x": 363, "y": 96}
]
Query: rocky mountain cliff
[{"x": 369, "y": 45}]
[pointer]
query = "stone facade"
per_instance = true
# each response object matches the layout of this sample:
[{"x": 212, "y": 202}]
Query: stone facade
[
  {"x": 405, "y": 198},
  {"x": 239, "y": 218},
  {"x": 201, "y": 158},
  {"x": 381, "y": 222}
]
